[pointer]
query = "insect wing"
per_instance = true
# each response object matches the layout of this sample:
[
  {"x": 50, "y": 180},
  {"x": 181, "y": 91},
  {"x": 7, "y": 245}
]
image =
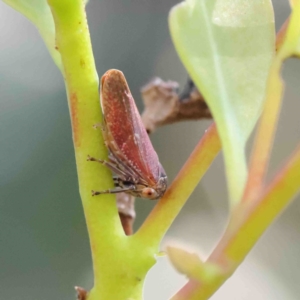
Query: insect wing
[{"x": 127, "y": 137}]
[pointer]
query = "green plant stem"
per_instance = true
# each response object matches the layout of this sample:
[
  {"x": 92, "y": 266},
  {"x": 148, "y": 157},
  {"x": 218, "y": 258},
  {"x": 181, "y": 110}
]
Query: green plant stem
[
  {"x": 168, "y": 207},
  {"x": 73, "y": 42},
  {"x": 287, "y": 45},
  {"x": 265, "y": 134},
  {"x": 240, "y": 238},
  {"x": 119, "y": 270}
]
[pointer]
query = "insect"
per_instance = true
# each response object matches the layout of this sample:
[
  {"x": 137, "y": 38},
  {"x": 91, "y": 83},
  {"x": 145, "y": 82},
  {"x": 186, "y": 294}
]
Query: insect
[{"x": 131, "y": 155}]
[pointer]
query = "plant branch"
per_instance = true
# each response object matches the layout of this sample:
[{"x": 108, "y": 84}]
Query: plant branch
[
  {"x": 281, "y": 34},
  {"x": 120, "y": 263},
  {"x": 163, "y": 105},
  {"x": 268, "y": 122},
  {"x": 265, "y": 134},
  {"x": 103, "y": 222},
  {"x": 168, "y": 207},
  {"x": 245, "y": 229}
]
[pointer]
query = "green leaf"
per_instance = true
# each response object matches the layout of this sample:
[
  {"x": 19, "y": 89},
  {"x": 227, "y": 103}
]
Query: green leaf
[
  {"x": 191, "y": 265},
  {"x": 39, "y": 13},
  {"x": 227, "y": 47}
]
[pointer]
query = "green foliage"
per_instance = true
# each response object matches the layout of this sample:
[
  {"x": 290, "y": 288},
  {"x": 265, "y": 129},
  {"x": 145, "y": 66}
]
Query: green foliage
[
  {"x": 260, "y": 205},
  {"x": 39, "y": 13},
  {"x": 227, "y": 48}
]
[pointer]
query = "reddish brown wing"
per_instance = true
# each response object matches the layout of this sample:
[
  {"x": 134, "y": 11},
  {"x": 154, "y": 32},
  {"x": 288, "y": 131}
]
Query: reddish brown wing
[{"x": 125, "y": 128}]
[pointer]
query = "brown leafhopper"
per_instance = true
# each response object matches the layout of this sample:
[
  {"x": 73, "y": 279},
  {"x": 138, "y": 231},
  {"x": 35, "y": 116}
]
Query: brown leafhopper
[{"x": 131, "y": 155}]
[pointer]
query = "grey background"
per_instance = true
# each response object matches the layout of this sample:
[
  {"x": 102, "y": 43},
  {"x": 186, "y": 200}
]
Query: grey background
[{"x": 44, "y": 247}]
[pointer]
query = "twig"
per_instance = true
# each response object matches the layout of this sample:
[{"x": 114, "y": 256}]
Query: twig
[
  {"x": 158, "y": 222},
  {"x": 241, "y": 237}
]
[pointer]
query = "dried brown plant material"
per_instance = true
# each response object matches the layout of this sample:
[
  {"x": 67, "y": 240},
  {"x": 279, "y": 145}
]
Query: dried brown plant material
[
  {"x": 125, "y": 203},
  {"x": 160, "y": 100},
  {"x": 81, "y": 293},
  {"x": 163, "y": 104}
]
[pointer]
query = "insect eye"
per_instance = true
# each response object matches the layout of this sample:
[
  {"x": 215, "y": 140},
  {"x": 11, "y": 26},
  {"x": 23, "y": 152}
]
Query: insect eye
[{"x": 149, "y": 193}]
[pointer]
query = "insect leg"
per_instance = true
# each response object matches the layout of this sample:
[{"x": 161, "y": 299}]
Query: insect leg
[
  {"x": 110, "y": 165},
  {"x": 131, "y": 174},
  {"x": 114, "y": 191},
  {"x": 117, "y": 181}
]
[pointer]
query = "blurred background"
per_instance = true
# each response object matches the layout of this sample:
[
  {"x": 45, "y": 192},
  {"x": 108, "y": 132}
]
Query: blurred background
[{"x": 44, "y": 249}]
